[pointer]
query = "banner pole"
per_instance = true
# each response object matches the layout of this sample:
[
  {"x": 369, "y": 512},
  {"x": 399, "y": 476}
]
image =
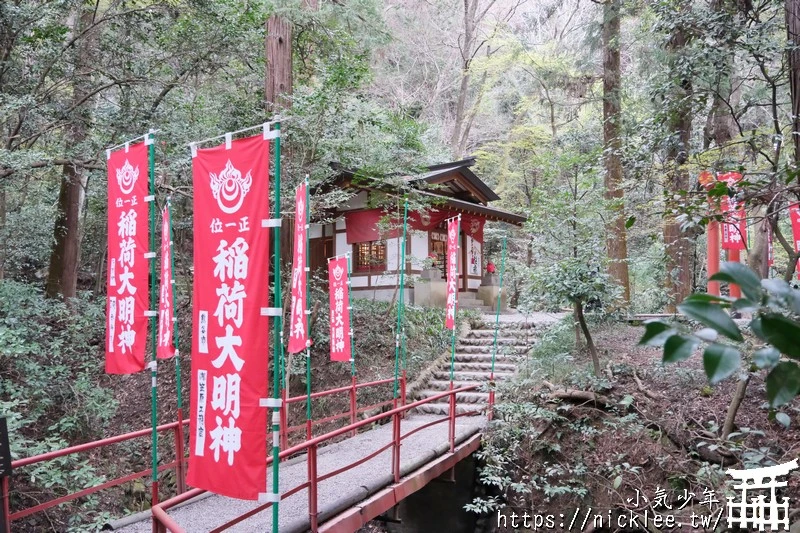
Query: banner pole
[
  {"x": 278, "y": 329},
  {"x": 151, "y": 160},
  {"x": 400, "y": 301},
  {"x": 497, "y": 323},
  {"x": 176, "y": 340}
]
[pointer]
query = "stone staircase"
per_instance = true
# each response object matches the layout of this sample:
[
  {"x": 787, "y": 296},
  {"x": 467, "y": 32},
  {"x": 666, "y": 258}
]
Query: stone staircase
[
  {"x": 469, "y": 300},
  {"x": 473, "y": 364}
]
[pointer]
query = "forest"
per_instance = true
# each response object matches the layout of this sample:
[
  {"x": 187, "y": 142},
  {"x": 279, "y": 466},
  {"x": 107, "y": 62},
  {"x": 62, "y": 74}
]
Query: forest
[{"x": 599, "y": 120}]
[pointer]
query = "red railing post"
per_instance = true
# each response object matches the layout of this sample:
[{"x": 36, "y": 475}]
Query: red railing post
[
  {"x": 284, "y": 433},
  {"x": 179, "y": 474},
  {"x": 452, "y": 415},
  {"x": 396, "y": 447},
  {"x": 353, "y": 405},
  {"x": 312, "y": 487},
  {"x": 153, "y": 503},
  {"x": 5, "y": 494}
]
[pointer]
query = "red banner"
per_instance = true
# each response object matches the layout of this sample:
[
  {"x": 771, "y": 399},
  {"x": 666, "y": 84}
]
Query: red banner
[
  {"x": 166, "y": 344},
  {"x": 228, "y": 427},
  {"x": 340, "y": 309},
  {"x": 362, "y": 226},
  {"x": 298, "y": 320},
  {"x": 128, "y": 295},
  {"x": 734, "y": 229},
  {"x": 794, "y": 215},
  {"x": 452, "y": 273}
]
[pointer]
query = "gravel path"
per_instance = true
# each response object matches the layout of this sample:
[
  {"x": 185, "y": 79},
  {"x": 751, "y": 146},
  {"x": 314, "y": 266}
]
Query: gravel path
[{"x": 335, "y": 494}]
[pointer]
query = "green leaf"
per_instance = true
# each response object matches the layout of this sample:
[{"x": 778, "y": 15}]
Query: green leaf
[
  {"x": 742, "y": 276},
  {"x": 745, "y": 305},
  {"x": 783, "y": 333},
  {"x": 720, "y": 361},
  {"x": 783, "y": 419},
  {"x": 656, "y": 333},
  {"x": 766, "y": 357},
  {"x": 617, "y": 482},
  {"x": 783, "y": 383},
  {"x": 712, "y": 316},
  {"x": 679, "y": 348},
  {"x": 703, "y": 297},
  {"x": 630, "y": 222},
  {"x": 758, "y": 331}
]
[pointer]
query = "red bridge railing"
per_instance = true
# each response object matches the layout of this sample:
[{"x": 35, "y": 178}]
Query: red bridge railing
[
  {"x": 162, "y": 522},
  {"x": 177, "y": 428}
]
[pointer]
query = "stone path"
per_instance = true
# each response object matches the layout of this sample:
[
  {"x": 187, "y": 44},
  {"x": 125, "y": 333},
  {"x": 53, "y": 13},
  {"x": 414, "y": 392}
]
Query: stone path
[{"x": 335, "y": 494}]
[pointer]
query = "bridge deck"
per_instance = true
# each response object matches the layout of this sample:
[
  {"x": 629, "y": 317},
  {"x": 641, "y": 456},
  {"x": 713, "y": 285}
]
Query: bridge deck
[{"x": 335, "y": 494}]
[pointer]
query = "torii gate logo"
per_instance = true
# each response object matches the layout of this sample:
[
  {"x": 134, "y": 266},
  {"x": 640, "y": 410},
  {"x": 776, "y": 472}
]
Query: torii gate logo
[
  {"x": 229, "y": 188},
  {"x": 758, "y": 511}
]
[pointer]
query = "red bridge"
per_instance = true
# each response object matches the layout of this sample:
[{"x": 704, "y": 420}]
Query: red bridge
[{"x": 336, "y": 481}]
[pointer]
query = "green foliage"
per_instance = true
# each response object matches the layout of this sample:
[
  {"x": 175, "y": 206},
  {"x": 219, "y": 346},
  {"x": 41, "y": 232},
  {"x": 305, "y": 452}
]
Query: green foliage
[
  {"x": 52, "y": 378},
  {"x": 774, "y": 324},
  {"x": 575, "y": 281}
]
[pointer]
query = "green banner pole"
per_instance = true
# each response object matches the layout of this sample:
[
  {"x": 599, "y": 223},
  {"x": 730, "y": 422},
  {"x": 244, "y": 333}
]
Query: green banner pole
[
  {"x": 175, "y": 337},
  {"x": 181, "y": 486},
  {"x": 278, "y": 329},
  {"x": 151, "y": 159},
  {"x": 400, "y": 301},
  {"x": 499, "y": 300}
]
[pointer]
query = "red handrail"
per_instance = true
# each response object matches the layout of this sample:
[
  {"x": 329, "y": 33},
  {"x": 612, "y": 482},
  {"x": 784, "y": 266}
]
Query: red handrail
[
  {"x": 175, "y": 427},
  {"x": 353, "y": 411},
  {"x": 162, "y": 522}
]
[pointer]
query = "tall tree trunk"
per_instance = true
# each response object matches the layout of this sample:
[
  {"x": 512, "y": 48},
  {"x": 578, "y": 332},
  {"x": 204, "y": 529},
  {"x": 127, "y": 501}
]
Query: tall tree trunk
[
  {"x": 793, "y": 33},
  {"x": 466, "y": 48},
  {"x": 616, "y": 240},
  {"x": 62, "y": 275},
  {"x": 678, "y": 249},
  {"x": 278, "y": 85}
]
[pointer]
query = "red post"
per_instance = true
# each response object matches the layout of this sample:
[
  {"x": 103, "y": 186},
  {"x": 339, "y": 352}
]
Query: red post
[
  {"x": 153, "y": 503},
  {"x": 713, "y": 256},
  {"x": 312, "y": 487},
  {"x": 396, "y": 447},
  {"x": 284, "y": 433},
  {"x": 308, "y": 429},
  {"x": 4, "y": 493},
  {"x": 179, "y": 474},
  {"x": 452, "y": 423},
  {"x": 403, "y": 388},
  {"x": 353, "y": 405}
]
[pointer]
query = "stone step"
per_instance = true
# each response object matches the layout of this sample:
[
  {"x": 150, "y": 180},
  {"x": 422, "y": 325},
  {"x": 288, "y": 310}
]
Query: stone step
[
  {"x": 489, "y": 341},
  {"x": 467, "y": 296},
  {"x": 485, "y": 366},
  {"x": 508, "y": 325},
  {"x": 527, "y": 335},
  {"x": 487, "y": 350},
  {"x": 463, "y": 397},
  {"x": 437, "y": 408},
  {"x": 474, "y": 377},
  {"x": 468, "y": 357},
  {"x": 442, "y": 385}
]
